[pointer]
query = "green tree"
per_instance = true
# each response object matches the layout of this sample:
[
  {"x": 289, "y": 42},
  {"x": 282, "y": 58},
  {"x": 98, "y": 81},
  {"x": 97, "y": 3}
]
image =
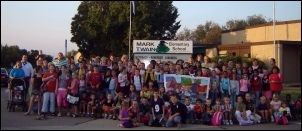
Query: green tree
[
  {"x": 207, "y": 33},
  {"x": 102, "y": 27},
  {"x": 186, "y": 34}
]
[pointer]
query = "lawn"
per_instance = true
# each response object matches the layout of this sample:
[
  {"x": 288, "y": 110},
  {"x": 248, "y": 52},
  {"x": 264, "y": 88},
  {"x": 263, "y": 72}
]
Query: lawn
[{"x": 294, "y": 92}]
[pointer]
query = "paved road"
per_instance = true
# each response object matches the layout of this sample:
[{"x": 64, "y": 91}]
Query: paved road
[{"x": 16, "y": 121}]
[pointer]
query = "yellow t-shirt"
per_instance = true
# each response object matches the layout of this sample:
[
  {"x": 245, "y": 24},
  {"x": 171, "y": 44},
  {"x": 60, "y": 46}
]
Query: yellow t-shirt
[{"x": 146, "y": 94}]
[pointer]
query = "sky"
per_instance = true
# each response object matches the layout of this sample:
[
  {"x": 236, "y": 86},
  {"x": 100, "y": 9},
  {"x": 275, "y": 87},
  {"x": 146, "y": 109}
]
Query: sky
[{"x": 46, "y": 25}]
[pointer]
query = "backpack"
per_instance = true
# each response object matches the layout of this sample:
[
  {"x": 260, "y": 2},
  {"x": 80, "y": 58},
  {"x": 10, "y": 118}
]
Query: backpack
[
  {"x": 216, "y": 120},
  {"x": 140, "y": 79}
]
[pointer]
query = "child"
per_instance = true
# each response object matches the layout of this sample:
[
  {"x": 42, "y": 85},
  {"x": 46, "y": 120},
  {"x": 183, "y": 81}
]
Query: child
[
  {"x": 240, "y": 112},
  {"x": 275, "y": 105},
  {"x": 298, "y": 106},
  {"x": 284, "y": 110},
  {"x": 218, "y": 108},
  {"x": 234, "y": 89},
  {"x": 167, "y": 107},
  {"x": 162, "y": 91},
  {"x": 83, "y": 103},
  {"x": 214, "y": 83},
  {"x": 132, "y": 92},
  {"x": 244, "y": 84},
  {"x": 82, "y": 85},
  {"x": 251, "y": 109},
  {"x": 91, "y": 106},
  {"x": 125, "y": 120},
  {"x": 113, "y": 84},
  {"x": 119, "y": 98},
  {"x": 208, "y": 111},
  {"x": 151, "y": 86},
  {"x": 160, "y": 78},
  {"x": 176, "y": 109},
  {"x": 145, "y": 92},
  {"x": 239, "y": 71},
  {"x": 157, "y": 109},
  {"x": 265, "y": 86},
  {"x": 17, "y": 93},
  {"x": 190, "y": 108},
  {"x": 73, "y": 89},
  {"x": 255, "y": 85},
  {"x": 95, "y": 79},
  {"x": 260, "y": 71},
  {"x": 263, "y": 109},
  {"x": 198, "y": 110},
  {"x": 137, "y": 81},
  {"x": 101, "y": 101},
  {"x": 225, "y": 85},
  {"x": 250, "y": 72},
  {"x": 204, "y": 72},
  {"x": 133, "y": 112},
  {"x": 291, "y": 105},
  {"x": 227, "y": 109},
  {"x": 144, "y": 108},
  {"x": 108, "y": 105}
]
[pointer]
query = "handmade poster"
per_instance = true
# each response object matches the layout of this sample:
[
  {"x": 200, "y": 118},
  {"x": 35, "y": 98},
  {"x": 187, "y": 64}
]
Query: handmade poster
[{"x": 194, "y": 87}]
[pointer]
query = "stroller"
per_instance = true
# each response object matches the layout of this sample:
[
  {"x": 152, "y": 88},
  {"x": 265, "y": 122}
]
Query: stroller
[{"x": 17, "y": 94}]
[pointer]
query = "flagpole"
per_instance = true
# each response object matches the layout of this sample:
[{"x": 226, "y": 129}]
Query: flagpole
[
  {"x": 274, "y": 24},
  {"x": 129, "y": 34}
]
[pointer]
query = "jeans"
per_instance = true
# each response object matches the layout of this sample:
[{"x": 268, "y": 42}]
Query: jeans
[
  {"x": 106, "y": 92},
  {"x": 190, "y": 116},
  {"x": 207, "y": 116},
  {"x": 214, "y": 96},
  {"x": 158, "y": 117},
  {"x": 233, "y": 98},
  {"x": 48, "y": 96},
  {"x": 257, "y": 97},
  {"x": 176, "y": 119},
  {"x": 225, "y": 93},
  {"x": 112, "y": 93}
]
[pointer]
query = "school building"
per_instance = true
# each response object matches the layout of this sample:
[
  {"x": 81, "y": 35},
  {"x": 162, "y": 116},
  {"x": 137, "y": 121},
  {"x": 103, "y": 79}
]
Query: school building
[{"x": 258, "y": 41}]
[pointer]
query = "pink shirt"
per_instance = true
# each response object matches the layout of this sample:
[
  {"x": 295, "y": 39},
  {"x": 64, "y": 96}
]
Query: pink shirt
[
  {"x": 244, "y": 85},
  {"x": 76, "y": 83}
]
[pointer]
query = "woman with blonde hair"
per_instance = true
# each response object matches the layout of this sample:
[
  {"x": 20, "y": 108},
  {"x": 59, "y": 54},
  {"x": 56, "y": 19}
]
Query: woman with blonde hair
[{"x": 124, "y": 59}]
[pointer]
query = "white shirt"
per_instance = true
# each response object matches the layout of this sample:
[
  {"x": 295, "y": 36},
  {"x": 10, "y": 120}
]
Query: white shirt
[
  {"x": 142, "y": 72},
  {"x": 216, "y": 69},
  {"x": 121, "y": 78},
  {"x": 190, "y": 107},
  {"x": 276, "y": 105},
  {"x": 28, "y": 69},
  {"x": 137, "y": 83}
]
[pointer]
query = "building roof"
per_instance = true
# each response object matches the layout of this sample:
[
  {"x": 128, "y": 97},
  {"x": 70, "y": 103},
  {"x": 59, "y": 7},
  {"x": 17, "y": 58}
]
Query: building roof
[{"x": 260, "y": 25}]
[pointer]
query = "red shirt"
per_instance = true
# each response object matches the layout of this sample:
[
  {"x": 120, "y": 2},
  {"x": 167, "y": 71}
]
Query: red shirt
[
  {"x": 130, "y": 75},
  {"x": 95, "y": 79},
  {"x": 255, "y": 80},
  {"x": 275, "y": 86},
  {"x": 198, "y": 109},
  {"x": 51, "y": 84}
]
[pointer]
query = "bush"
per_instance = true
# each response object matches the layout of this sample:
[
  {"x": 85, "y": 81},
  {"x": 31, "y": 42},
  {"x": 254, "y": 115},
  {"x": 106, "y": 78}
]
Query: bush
[{"x": 239, "y": 59}]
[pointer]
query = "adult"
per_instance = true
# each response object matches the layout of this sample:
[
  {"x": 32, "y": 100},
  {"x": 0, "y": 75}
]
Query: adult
[
  {"x": 220, "y": 64},
  {"x": 35, "y": 90},
  {"x": 199, "y": 59},
  {"x": 206, "y": 63},
  {"x": 137, "y": 62},
  {"x": 79, "y": 60},
  {"x": 255, "y": 65},
  {"x": 276, "y": 81},
  {"x": 272, "y": 63},
  {"x": 191, "y": 61},
  {"x": 125, "y": 59},
  {"x": 60, "y": 61},
  {"x": 52, "y": 83},
  {"x": 29, "y": 72}
]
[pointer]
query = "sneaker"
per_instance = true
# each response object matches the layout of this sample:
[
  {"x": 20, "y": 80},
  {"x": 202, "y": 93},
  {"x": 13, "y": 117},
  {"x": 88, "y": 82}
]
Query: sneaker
[
  {"x": 272, "y": 119},
  {"x": 231, "y": 122},
  {"x": 110, "y": 117},
  {"x": 259, "y": 122},
  {"x": 59, "y": 114},
  {"x": 105, "y": 116},
  {"x": 31, "y": 112},
  {"x": 179, "y": 126},
  {"x": 74, "y": 115},
  {"x": 113, "y": 118},
  {"x": 68, "y": 114},
  {"x": 227, "y": 123},
  {"x": 224, "y": 122}
]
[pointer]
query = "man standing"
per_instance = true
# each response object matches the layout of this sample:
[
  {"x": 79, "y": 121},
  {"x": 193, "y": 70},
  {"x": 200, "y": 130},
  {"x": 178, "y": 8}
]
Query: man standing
[
  {"x": 60, "y": 61},
  {"x": 29, "y": 72}
]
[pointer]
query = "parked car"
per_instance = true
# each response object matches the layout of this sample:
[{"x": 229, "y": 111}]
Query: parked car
[{"x": 4, "y": 77}]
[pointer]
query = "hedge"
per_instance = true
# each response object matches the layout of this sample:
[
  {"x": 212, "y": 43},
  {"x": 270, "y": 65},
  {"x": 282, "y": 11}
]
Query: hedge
[{"x": 239, "y": 59}]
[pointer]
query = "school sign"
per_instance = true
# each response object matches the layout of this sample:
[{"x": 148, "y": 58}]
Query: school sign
[{"x": 162, "y": 47}]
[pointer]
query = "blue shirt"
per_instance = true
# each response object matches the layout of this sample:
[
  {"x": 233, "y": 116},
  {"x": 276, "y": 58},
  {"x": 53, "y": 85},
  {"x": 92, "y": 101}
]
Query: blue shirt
[
  {"x": 112, "y": 83},
  {"x": 225, "y": 83},
  {"x": 17, "y": 73}
]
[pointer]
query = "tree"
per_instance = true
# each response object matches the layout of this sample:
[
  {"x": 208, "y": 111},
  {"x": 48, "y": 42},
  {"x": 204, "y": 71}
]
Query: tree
[
  {"x": 207, "y": 33},
  {"x": 162, "y": 48},
  {"x": 102, "y": 27},
  {"x": 186, "y": 34},
  {"x": 249, "y": 21}
]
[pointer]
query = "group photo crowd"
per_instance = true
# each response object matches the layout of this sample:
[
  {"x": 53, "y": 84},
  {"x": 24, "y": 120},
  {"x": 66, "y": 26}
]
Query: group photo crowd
[{"x": 135, "y": 94}]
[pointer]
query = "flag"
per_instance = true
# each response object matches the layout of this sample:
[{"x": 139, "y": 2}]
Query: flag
[{"x": 133, "y": 9}]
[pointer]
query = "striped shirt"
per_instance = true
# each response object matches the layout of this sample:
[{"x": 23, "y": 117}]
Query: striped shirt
[{"x": 59, "y": 63}]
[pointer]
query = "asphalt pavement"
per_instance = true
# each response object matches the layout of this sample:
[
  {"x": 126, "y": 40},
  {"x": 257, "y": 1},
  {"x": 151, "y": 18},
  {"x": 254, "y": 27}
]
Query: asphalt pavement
[{"x": 16, "y": 121}]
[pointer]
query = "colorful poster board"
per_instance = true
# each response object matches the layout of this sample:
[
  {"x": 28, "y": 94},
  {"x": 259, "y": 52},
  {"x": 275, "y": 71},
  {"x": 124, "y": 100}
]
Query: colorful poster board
[{"x": 194, "y": 87}]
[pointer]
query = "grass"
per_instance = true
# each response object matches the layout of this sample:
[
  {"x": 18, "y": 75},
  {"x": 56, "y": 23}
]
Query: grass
[{"x": 294, "y": 92}]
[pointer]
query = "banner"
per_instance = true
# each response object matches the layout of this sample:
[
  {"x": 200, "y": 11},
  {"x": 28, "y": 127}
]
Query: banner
[{"x": 194, "y": 87}]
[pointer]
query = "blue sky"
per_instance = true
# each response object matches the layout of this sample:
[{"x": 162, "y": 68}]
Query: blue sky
[{"x": 46, "y": 25}]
